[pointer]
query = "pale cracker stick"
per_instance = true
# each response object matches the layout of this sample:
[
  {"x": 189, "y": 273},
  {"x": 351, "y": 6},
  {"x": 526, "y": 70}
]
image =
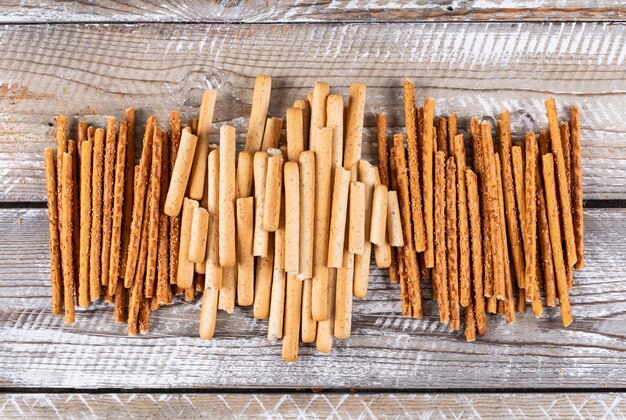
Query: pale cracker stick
[
  {"x": 56, "y": 277},
  {"x": 304, "y": 105},
  {"x": 394, "y": 223},
  {"x": 258, "y": 113},
  {"x": 382, "y": 255},
  {"x": 356, "y": 226},
  {"x": 362, "y": 269},
  {"x": 512, "y": 219},
  {"x": 338, "y": 218},
  {"x": 378, "y": 225},
  {"x": 199, "y": 235},
  {"x": 334, "y": 119},
  {"x": 414, "y": 172},
  {"x": 354, "y": 125},
  {"x": 85, "y": 226},
  {"x": 279, "y": 283},
  {"x": 245, "y": 259},
  {"x": 153, "y": 219},
  {"x": 458, "y": 149},
  {"x": 184, "y": 277},
  {"x": 226, "y": 217},
  {"x": 263, "y": 283},
  {"x": 293, "y": 303},
  {"x": 451, "y": 245},
  {"x": 107, "y": 199},
  {"x": 440, "y": 237},
  {"x": 473, "y": 205},
  {"x": 295, "y": 135},
  {"x": 325, "y": 328},
  {"x": 273, "y": 187},
  {"x": 564, "y": 198},
  {"x": 174, "y": 221},
  {"x": 292, "y": 216},
  {"x": 555, "y": 238},
  {"x": 427, "y": 158},
  {"x": 67, "y": 254},
  {"x": 180, "y": 173},
  {"x": 129, "y": 176},
  {"x": 226, "y": 301},
  {"x": 367, "y": 175},
  {"x": 343, "y": 298},
  {"x": 208, "y": 313},
  {"x": 118, "y": 211},
  {"x": 452, "y": 133},
  {"x": 271, "y": 137},
  {"x": 318, "y": 111},
  {"x": 245, "y": 174},
  {"x": 308, "y": 324},
  {"x": 307, "y": 214},
  {"x": 577, "y": 188},
  {"x": 495, "y": 225},
  {"x": 139, "y": 202},
  {"x": 260, "y": 178},
  {"x": 442, "y": 135}
]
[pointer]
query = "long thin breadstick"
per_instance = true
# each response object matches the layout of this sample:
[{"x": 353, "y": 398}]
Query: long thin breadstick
[
  {"x": 470, "y": 322},
  {"x": 180, "y": 173},
  {"x": 107, "y": 199},
  {"x": 292, "y": 217},
  {"x": 129, "y": 177},
  {"x": 263, "y": 283},
  {"x": 367, "y": 175},
  {"x": 72, "y": 149},
  {"x": 354, "y": 125},
  {"x": 308, "y": 323},
  {"x": 67, "y": 254},
  {"x": 473, "y": 205},
  {"x": 279, "y": 283},
  {"x": 260, "y": 178},
  {"x": 440, "y": 237},
  {"x": 119, "y": 314},
  {"x": 566, "y": 141},
  {"x": 295, "y": 135},
  {"x": 174, "y": 221},
  {"x": 383, "y": 152},
  {"x": 564, "y": 197},
  {"x": 199, "y": 234},
  {"x": 214, "y": 272},
  {"x": 245, "y": 259},
  {"x": 273, "y": 186},
  {"x": 227, "y": 251},
  {"x": 530, "y": 223},
  {"x": 271, "y": 136},
  {"x": 338, "y": 218},
  {"x": 427, "y": 179},
  {"x": 414, "y": 173},
  {"x": 118, "y": 209},
  {"x": 85, "y": 226},
  {"x": 226, "y": 301},
  {"x": 153, "y": 219},
  {"x": 318, "y": 112},
  {"x": 163, "y": 283},
  {"x": 258, "y": 114},
  {"x": 577, "y": 188},
  {"x": 56, "y": 277},
  {"x": 555, "y": 238},
  {"x": 61, "y": 144},
  {"x": 139, "y": 203},
  {"x": 407, "y": 309},
  {"x": 542, "y": 226},
  {"x": 458, "y": 149},
  {"x": 451, "y": 245},
  {"x": 304, "y": 105},
  {"x": 307, "y": 214},
  {"x": 208, "y": 313},
  {"x": 291, "y": 334},
  {"x": 442, "y": 135},
  {"x": 136, "y": 295},
  {"x": 334, "y": 119},
  {"x": 184, "y": 278}
]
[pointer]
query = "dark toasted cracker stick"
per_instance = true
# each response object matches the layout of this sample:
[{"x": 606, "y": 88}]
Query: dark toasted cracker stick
[
  {"x": 473, "y": 205},
  {"x": 532, "y": 284},
  {"x": 85, "y": 227},
  {"x": 67, "y": 253},
  {"x": 428, "y": 156},
  {"x": 458, "y": 148},
  {"x": 442, "y": 135},
  {"x": 174, "y": 221},
  {"x": 577, "y": 188},
  {"x": 441, "y": 270},
  {"x": 107, "y": 199},
  {"x": 129, "y": 177},
  {"x": 118, "y": 208},
  {"x": 56, "y": 276},
  {"x": 451, "y": 245}
]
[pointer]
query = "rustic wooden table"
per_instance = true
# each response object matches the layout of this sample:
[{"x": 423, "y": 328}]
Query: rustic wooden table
[{"x": 475, "y": 58}]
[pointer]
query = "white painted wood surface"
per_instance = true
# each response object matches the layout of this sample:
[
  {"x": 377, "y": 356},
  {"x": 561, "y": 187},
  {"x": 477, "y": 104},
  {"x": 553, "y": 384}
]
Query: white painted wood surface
[
  {"x": 385, "y": 352},
  {"x": 474, "y": 69},
  {"x": 319, "y": 405}
]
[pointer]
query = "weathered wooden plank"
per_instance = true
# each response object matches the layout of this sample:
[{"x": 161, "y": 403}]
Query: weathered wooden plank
[
  {"x": 319, "y": 405},
  {"x": 386, "y": 351},
  {"x": 307, "y": 11},
  {"x": 477, "y": 69}
]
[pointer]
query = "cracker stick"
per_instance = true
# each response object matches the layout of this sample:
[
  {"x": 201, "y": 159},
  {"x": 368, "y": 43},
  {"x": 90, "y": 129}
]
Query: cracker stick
[
  {"x": 318, "y": 111},
  {"x": 279, "y": 283},
  {"x": 334, "y": 119},
  {"x": 383, "y": 152},
  {"x": 245, "y": 174},
  {"x": 271, "y": 137},
  {"x": 263, "y": 283},
  {"x": 394, "y": 277},
  {"x": 174, "y": 221},
  {"x": 451, "y": 244},
  {"x": 260, "y": 179},
  {"x": 561, "y": 171},
  {"x": 367, "y": 175},
  {"x": 473, "y": 205},
  {"x": 119, "y": 308},
  {"x": 295, "y": 136},
  {"x": 292, "y": 217},
  {"x": 577, "y": 188},
  {"x": 378, "y": 225},
  {"x": 555, "y": 238},
  {"x": 354, "y": 125},
  {"x": 413, "y": 160},
  {"x": 343, "y": 298},
  {"x": 495, "y": 225},
  {"x": 308, "y": 323},
  {"x": 517, "y": 156},
  {"x": 180, "y": 173},
  {"x": 67, "y": 253},
  {"x": 153, "y": 219},
  {"x": 85, "y": 227},
  {"x": 118, "y": 211},
  {"x": 442, "y": 135},
  {"x": 273, "y": 186},
  {"x": 258, "y": 113},
  {"x": 530, "y": 223},
  {"x": 517, "y": 252},
  {"x": 208, "y": 313},
  {"x": 323, "y": 190},
  {"x": 452, "y": 133},
  {"x": 458, "y": 149},
  {"x": 129, "y": 176},
  {"x": 139, "y": 202},
  {"x": 407, "y": 309},
  {"x": 245, "y": 259},
  {"x": 566, "y": 141},
  {"x": 136, "y": 292},
  {"x": 338, "y": 218},
  {"x": 163, "y": 283},
  {"x": 542, "y": 225},
  {"x": 73, "y": 150},
  {"x": 307, "y": 214},
  {"x": 427, "y": 159},
  {"x": 199, "y": 235},
  {"x": 213, "y": 292},
  {"x": 107, "y": 199},
  {"x": 470, "y": 323},
  {"x": 193, "y": 126},
  {"x": 356, "y": 224},
  {"x": 226, "y": 228},
  {"x": 291, "y": 334},
  {"x": 509, "y": 299},
  {"x": 61, "y": 143},
  {"x": 56, "y": 278},
  {"x": 325, "y": 328},
  {"x": 394, "y": 223},
  {"x": 441, "y": 269},
  {"x": 304, "y": 105},
  {"x": 184, "y": 277}
]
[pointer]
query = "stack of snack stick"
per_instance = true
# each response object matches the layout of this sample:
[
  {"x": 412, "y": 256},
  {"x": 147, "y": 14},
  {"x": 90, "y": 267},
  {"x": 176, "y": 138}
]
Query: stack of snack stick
[{"x": 492, "y": 235}]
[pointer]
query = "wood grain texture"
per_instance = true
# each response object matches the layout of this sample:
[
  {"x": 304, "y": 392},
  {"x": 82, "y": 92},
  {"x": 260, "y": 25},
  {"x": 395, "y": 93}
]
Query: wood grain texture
[
  {"x": 474, "y": 69},
  {"x": 385, "y": 350},
  {"x": 272, "y": 11},
  {"x": 313, "y": 406}
]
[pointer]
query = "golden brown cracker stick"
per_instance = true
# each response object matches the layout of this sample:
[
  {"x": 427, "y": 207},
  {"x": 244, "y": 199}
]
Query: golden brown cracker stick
[
  {"x": 56, "y": 277},
  {"x": 119, "y": 307},
  {"x": 85, "y": 226},
  {"x": 458, "y": 148},
  {"x": 61, "y": 143},
  {"x": 428, "y": 156},
  {"x": 174, "y": 222},
  {"x": 245, "y": 174},
  {"x": 129, "y": 176},
  {"x": 470, "y": 323},
  {"x": 271, "y": 136},
  {"x": 162, "y": 290},
  {"x": 566, "y": 141},
  {"x": 577, "y": 188},
  {"x": 451, "y": 245},
  {"x": 440, "y": 237},
  {"x": 258, "y": 113},
  {"x": 393, "y": 185},
  {"x": 407, "y": 309},
  {"x": 153, "y": 216},
  {"x": 184, "y": 277},
  {"x": 530, "y": 223},
  {"x": 473, "y": 204},
  {"x": 107, "y": 199},
  {"x": 452, "y": 133},
  {"x": 67, "y": 253},
  {"x": 383, "y": 152},
  {"x": 118, "y": 210},
  {"x": 442, "y": 135}
]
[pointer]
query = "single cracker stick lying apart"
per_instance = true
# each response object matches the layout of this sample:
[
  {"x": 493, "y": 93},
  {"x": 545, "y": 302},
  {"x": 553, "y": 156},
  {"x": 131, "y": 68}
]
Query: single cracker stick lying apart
[
  {"x": 227, "y": 253},
  {"x": 304, "y": 105},
  {"x": 458, "y": 149},
  {"x": 271, "y": 137},
  {"x": 307, "y": 214},
  {"x": 153, "y": 219},
  {"x": 245, "y": 259},
  {"x": 440, "y": 237},
  {"x": 354, "y": 125},
  {"x": 292, "y": 217},
  {"x": 199, "y": 234},
  {"x": 427, "y": 179},
  {"x": 338, "y": 218},
  {"x": 260, "y": 244},
  {"x": 577, "y": 188},
  {"x": 279, "y": 282},
  {"x": 140, "y": 194},
  {"x": 555, "y": 238},
  {"x": 56, "y": 277},
  {"x": 180, "y": 173},
  {"x": 198, "y": 171},
  {"x": 184, "y": 278},
  {"x": 107, "y": 199},
  {"x": 564, "y": 197},
  {"x": 273, "y": 186},
  {"x": 318, "y": 111},
  {"x": 258, "y": 114},
  {"x": 129, "y": 188},
  {"x": 174, "y": 221},
  {"x": 85, "y": 227},
  {"x": 291, "y": 334},
  {"x": 67, "y": 253},
  {"x": 295, "y": 135},
  {"x": 473, "y": 205},
  {"x": 334, "y": 119},
  {"x": 451, "y": 245}
]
